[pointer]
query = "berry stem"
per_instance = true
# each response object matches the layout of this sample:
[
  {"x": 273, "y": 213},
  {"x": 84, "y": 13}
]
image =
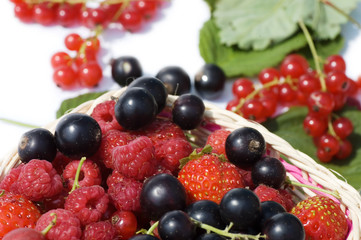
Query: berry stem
[
  {"x": 340, "y": 11},
  {"x": 18, "y": 123},
  {"x": 331, "y": 130},
  {"x": 76, "y": 180},
  {"x": 226, "y": 232},
  {"x": 51, "y": 224},
  {"x": 315, "y": 56},
  {"x": 332, "y": 193}
]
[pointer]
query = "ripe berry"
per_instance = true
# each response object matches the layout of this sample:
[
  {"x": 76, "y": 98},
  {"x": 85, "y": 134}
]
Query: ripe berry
[
  {"x": 242, "y": 87},
  {"x": 160, "y": 194},
  {"x": 343, "y": 127},
  {"x": 24, "y": 234},
  {"x": 176, "y": 225},
  {"x": 334, "y": 63},
  {"x": 155, "y": 87},
  {"x": 337, "y": 82},
  {"x": 73, "y": 41},
  {"x": 187, "y": 111},
  {"x": 329, "y": 143},
  {"x": 269, "y": 171},
  {"x": 125, "y": 69},
  {"x": 135, "y": 108},
  {"x": 78, "y": 135},
  {"x": 209, "y": 81},
  {"x": 175, "y": 79},
  {"x": 38, "y": 143},
  {"x": 60, "y": 59},
  {"x": 131, "y": 20},
  {"x": 90, "y": 74},
  {"x": 315, "y": 126},
  {"x": 65, "y": 77},
  {"x": 268, "y": 75},
  {"x": 269, "y": 209},
  {"x": 143, "y": 237},
  {"x": 245, "y": 146},
  {"x": 320, "y": 103},
  {"x": 125, "y": 223}
]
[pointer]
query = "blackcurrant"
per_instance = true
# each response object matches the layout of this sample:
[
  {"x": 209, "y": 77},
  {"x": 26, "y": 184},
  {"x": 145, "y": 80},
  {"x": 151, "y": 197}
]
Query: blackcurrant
[
  {"x": 125, "y": 69},
  {"x": 207, "y": 212},
  {"x": 78, "y": 135},
  {"x": 268, "y": 210},
  {"x": 268, "y": 171},
  {"x": 135, "y": 108},
  {"x": 284, "y": 226},
  {"x": 175, "y": 79},
  {"x": 162, "y": 193},
  {"x": 176, "y": 225},
  {"x": 38, "y": 143},
  {"x": 187, "y": 111},
  {"x": 143, "y": 237},
  {"x": 155, "y": 87},
  {"x": 209, "y": 81},
  {"x": 245, "y": 146},
  {"x": 240, "y": 206}
]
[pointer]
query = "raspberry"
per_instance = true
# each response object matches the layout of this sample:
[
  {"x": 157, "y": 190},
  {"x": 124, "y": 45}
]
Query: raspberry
[
  {"x": 67, "y": 225},
  {"x": 266, "y": 193},
  {"x": 161, "y": 129},
  {"x": 217, "y": 140},
  {"x": 287, "y": 196},
  {"x": 9, "y": 183},
  {"x": 136, "y": 159},
  {"x": 87, "y": 203},
  {"x": 110, "y": 140},
  {"x": 89, "y": 174},
  {"x": 102, "y": 230},
  {"x": 170, "y": 152},
  {"x": 54, "y": 202},
  {"x": 38, "y": 180},
  {"x": 60, "y": 162},
  {"x": 114, "y": 178},
  {"x": 247, "y": 178},
  {"x": 125, "y": 194},
  {"x": 103, "y": 113}
]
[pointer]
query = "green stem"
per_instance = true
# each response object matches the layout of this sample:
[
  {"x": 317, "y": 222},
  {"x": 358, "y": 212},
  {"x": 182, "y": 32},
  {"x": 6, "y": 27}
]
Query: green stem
[
  {"x": 315, "y": 56},
  {"x": 332, "y": 193},
  {"x": 19, "y": 123},
  {"x": 76, "y": 180},
  {"x": 51, "y": 224},
  {"x": 152, "y": 228}
]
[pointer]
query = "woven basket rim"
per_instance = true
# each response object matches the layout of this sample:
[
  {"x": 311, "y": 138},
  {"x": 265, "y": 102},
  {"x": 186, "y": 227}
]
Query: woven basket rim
[{"x": 302, "y": 168}]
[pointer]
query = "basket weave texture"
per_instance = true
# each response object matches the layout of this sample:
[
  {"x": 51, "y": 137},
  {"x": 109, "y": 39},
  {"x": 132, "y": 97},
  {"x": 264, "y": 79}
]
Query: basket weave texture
[{"x": 300, "y": 167}]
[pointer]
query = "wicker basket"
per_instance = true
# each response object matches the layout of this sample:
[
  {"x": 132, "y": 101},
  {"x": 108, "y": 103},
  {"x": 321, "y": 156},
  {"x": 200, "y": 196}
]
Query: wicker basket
[{"x": 302, "y": 169}]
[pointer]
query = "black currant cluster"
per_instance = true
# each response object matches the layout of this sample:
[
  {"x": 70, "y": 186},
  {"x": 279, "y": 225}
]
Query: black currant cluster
[
  {"x": 240, "y": 215},
  {"x": 209, "y": 81}
]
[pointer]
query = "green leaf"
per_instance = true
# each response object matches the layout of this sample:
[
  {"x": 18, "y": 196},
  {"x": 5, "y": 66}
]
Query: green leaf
[
  {"x": 256, "y": 24},
  {"x": 289, "y": 126},
  {"x": 71, "y": 103},
  {"x": 234, "y": 61},
  {"x": 211, "y": 4}
]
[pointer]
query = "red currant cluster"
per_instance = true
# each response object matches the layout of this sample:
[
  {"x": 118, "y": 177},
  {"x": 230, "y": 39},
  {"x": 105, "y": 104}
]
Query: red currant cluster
[
  {"x": 295, "y": 83},
  {"x": 129, "y": 13},
  {"x": 82, "y": 70}
]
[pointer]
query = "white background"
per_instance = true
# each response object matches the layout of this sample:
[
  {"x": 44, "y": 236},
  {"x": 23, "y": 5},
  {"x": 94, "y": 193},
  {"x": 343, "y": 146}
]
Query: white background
[{"x": 27, "y": 93}]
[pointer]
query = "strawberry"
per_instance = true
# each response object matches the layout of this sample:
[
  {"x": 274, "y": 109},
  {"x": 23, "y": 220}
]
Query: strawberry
[
  {"x": 207, "y": 176},
  {"x": 322, "y": 218},
  {"x": 16, "y": 211}
]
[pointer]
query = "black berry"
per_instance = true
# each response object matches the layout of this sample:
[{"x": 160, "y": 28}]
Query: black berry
[
  {"x": 187, "y": 111},
  {"x": 209, "y": 81},
  {"x": 269, "y": 171},
  {"x": 125, "y": 69},
  {"x": 176, "y": 225},
  {"x": 175, "y": 79}
]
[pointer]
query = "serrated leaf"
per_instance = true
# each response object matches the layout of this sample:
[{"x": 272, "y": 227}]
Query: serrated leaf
[
  {"x": 258, "y": 24},
  {"x": 72, "y": 103},
  {"x": 289, "y": 126}
]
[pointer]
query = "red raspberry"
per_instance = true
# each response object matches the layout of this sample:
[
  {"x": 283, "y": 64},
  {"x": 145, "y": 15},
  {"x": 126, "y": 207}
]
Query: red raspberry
[
  {"x": 102, "y": 230},
  {"x": 87, "y": 203},
  {"x": 114, "y": 178},
  {"x": 266, "y": 193},
  {"x": 170, "y": 152},
  {"x": 60, "y": 162},
  {"x": 136, "y": 159},
  {"x": 110, "y": 140},
  {"x": 161, "y": 129},
  {"x": 125, "y": 194},
  {"x": 103, "y": 113},
  {"x": 38, "y": 180},
  {"x": 54, "y": 202},
  {"x": 217, "y": 140},
  {"x": 67, "y": 225},
  {"x": 288, "y": 199},
  {"x": 247, "y": 177},
  {"x": 89, "y": 174},
  {"x": 9, "y": 183}
]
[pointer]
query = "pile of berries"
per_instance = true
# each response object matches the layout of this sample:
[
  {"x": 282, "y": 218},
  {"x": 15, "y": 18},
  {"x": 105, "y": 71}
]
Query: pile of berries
[
  {"x": 99, "y": 176},
  {"x": 296, "y": 84}
]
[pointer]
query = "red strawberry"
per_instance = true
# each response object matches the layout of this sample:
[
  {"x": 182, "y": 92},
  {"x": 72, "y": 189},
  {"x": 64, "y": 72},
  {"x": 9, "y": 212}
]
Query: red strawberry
[
  {"x": 322, "y": 218},
  {"x": 206, "y": 176},
  {"x": 16, "y": 211}
]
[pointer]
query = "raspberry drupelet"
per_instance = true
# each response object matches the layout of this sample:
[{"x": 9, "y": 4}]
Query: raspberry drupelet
[
  {"x": 102, "y": 230},
  {"x": 103, "y": 113}
]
